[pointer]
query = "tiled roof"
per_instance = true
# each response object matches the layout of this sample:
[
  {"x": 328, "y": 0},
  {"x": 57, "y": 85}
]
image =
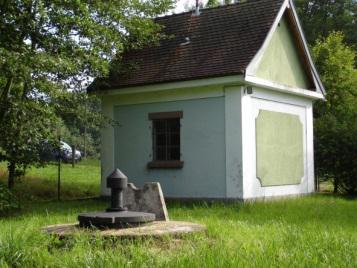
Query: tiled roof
[{"x": 222, "y": 41}]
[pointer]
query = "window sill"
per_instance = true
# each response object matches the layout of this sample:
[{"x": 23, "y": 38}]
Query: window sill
[{"x": 166, "y": 164}]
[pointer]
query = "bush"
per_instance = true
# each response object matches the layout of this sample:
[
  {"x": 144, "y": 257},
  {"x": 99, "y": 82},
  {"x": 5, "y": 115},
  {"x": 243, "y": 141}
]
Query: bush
[
  {"x": 336, "y": 153},
  {"x": 8, "y": 202},
  {"x": 336, "y": 118}
]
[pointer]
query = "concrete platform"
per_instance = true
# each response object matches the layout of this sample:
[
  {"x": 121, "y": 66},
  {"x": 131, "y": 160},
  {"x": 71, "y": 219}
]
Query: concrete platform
[
  {"x": 154, "y": 229},
  {"x": 114, "y": 219}
]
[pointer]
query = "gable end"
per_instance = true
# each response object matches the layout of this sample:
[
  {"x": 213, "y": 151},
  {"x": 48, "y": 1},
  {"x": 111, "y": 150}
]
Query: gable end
[{"x": 284, "y": 62}]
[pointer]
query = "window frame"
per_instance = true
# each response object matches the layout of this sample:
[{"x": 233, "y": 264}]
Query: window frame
[{"x": 166, "y": 164}]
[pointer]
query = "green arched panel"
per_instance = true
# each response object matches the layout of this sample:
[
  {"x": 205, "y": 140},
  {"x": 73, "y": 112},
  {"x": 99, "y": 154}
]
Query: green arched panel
[{"x": 279, "y": 148}]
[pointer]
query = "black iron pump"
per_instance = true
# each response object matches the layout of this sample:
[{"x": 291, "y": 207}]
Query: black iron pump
[
  {"x": 117, "y": 216},
  {"x": 117, "y": 182}
]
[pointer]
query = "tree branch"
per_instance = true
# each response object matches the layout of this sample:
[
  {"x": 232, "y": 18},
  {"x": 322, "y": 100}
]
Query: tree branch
[{"x": 6, "y": 89}]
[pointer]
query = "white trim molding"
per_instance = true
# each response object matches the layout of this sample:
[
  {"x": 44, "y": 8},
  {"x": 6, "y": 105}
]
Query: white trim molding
[
  {"x": 264, "y": 99},
  {"x": 256, "y": 81}
]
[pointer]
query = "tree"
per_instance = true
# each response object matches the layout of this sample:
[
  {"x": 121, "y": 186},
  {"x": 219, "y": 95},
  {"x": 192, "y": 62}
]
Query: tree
[
  {"x": 26, "y": 124},
  {"x": 216, "y": 3},
  {"x": 320, "y": 17},
  {"x": 213, "y": 3},
  {"x": 336, "y": 119},
  {"x": 80, "y": 115},
  {"x": 47, "y": 47}
]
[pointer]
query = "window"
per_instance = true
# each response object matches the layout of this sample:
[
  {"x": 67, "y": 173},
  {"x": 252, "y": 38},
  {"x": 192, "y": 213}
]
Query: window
[{"x": 166, "y": 140}]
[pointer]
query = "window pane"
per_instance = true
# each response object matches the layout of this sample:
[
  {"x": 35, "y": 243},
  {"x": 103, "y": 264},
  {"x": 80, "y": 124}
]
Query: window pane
[
  {"x": 174, "y": 153},
  {"x": 166, "y": 139},
  {"x": 161, "y": 139},
  {"x": 160, "y": 125},
  {"x": 174, "y": 139},
  {"x": 160, "y": 153},
  {"x": 173, "y": 125}
]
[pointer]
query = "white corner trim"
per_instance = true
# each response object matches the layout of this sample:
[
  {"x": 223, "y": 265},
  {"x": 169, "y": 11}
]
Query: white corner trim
[
  {"x": 256, "y": 81},
  {"x": 252, "y": 186},
  {"x": 254, "y": 64},
  {"x": 224, "y": 80}
]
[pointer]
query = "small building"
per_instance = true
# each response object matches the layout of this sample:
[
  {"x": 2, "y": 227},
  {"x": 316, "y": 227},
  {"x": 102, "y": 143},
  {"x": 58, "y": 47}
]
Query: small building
[{"x": 220, "y": 109}]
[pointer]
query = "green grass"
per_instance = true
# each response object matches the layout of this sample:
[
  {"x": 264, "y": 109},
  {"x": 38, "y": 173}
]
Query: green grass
[
  {"x": 79, "y": 182},
  {"x": 313, "y": 231}
]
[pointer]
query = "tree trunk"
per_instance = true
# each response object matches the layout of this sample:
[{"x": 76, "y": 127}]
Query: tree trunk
[
  {"x": 85, "y": 143},
  {"x": 11, "y": 169},
  {"x": 3, "y": 99},
  {"x": 335, "y": 185},
  {"x": 85, "y": 128},
  {"x": 73, "y": 155}
]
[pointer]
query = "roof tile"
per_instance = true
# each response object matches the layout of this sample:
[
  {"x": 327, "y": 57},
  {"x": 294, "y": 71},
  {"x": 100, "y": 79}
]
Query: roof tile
[{"x": 223, "y": 41}]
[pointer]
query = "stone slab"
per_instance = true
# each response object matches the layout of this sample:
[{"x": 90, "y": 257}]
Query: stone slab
[
  {"x": 149, "y": 199},
  {"x": 154, "y": 229}
]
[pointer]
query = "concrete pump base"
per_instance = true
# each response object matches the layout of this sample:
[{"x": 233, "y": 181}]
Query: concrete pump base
[{"x": 153, "y": 229}]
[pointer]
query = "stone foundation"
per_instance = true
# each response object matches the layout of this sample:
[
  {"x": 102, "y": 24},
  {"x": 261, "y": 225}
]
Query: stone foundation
[{"x": 155, "y": 229}]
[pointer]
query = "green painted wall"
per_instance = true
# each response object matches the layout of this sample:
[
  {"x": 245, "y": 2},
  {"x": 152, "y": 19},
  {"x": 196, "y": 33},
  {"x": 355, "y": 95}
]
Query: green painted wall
[
  {"x": 202, "y": 147},
  {"x": 280, "y": 150},
  {"x": 110, "y": 101},
  {"x": 281, "y": 61}
]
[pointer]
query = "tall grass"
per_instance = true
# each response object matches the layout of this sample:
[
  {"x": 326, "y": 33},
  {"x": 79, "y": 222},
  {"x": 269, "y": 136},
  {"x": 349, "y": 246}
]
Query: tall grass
[{"x": 315, "y": 231}]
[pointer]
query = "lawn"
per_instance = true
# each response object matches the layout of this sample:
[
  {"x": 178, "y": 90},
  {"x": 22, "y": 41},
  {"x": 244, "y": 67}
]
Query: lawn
[
  {"x": 313, "y": 231},
  {"x": 41, "y": 183}
]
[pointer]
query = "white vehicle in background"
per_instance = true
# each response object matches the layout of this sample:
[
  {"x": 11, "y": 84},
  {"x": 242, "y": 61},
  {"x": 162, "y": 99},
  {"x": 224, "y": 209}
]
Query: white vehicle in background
[{"x": 66, "y": 152}]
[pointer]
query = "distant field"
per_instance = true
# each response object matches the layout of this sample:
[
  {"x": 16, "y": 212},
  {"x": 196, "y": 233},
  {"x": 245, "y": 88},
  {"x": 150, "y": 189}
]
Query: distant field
[{"x": 41, "y": 183}]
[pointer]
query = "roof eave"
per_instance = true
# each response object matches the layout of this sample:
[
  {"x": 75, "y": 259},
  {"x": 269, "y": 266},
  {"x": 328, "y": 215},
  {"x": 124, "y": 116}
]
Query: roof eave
[{"x": 236, "y": 79}]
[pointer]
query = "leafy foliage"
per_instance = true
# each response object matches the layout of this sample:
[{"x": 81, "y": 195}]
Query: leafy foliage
[
  {"x": 82, "y": 120},
  {"x": 216, "y": 3},
  {"x": 336, "y": 119},
  {"x": 26, "y": 124},
  {"x": 46, "y": 41},
  {"x": 321, "y": 17},
  {"x": 213, "y": 3},
  {"x": 48, "y": 47}
]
